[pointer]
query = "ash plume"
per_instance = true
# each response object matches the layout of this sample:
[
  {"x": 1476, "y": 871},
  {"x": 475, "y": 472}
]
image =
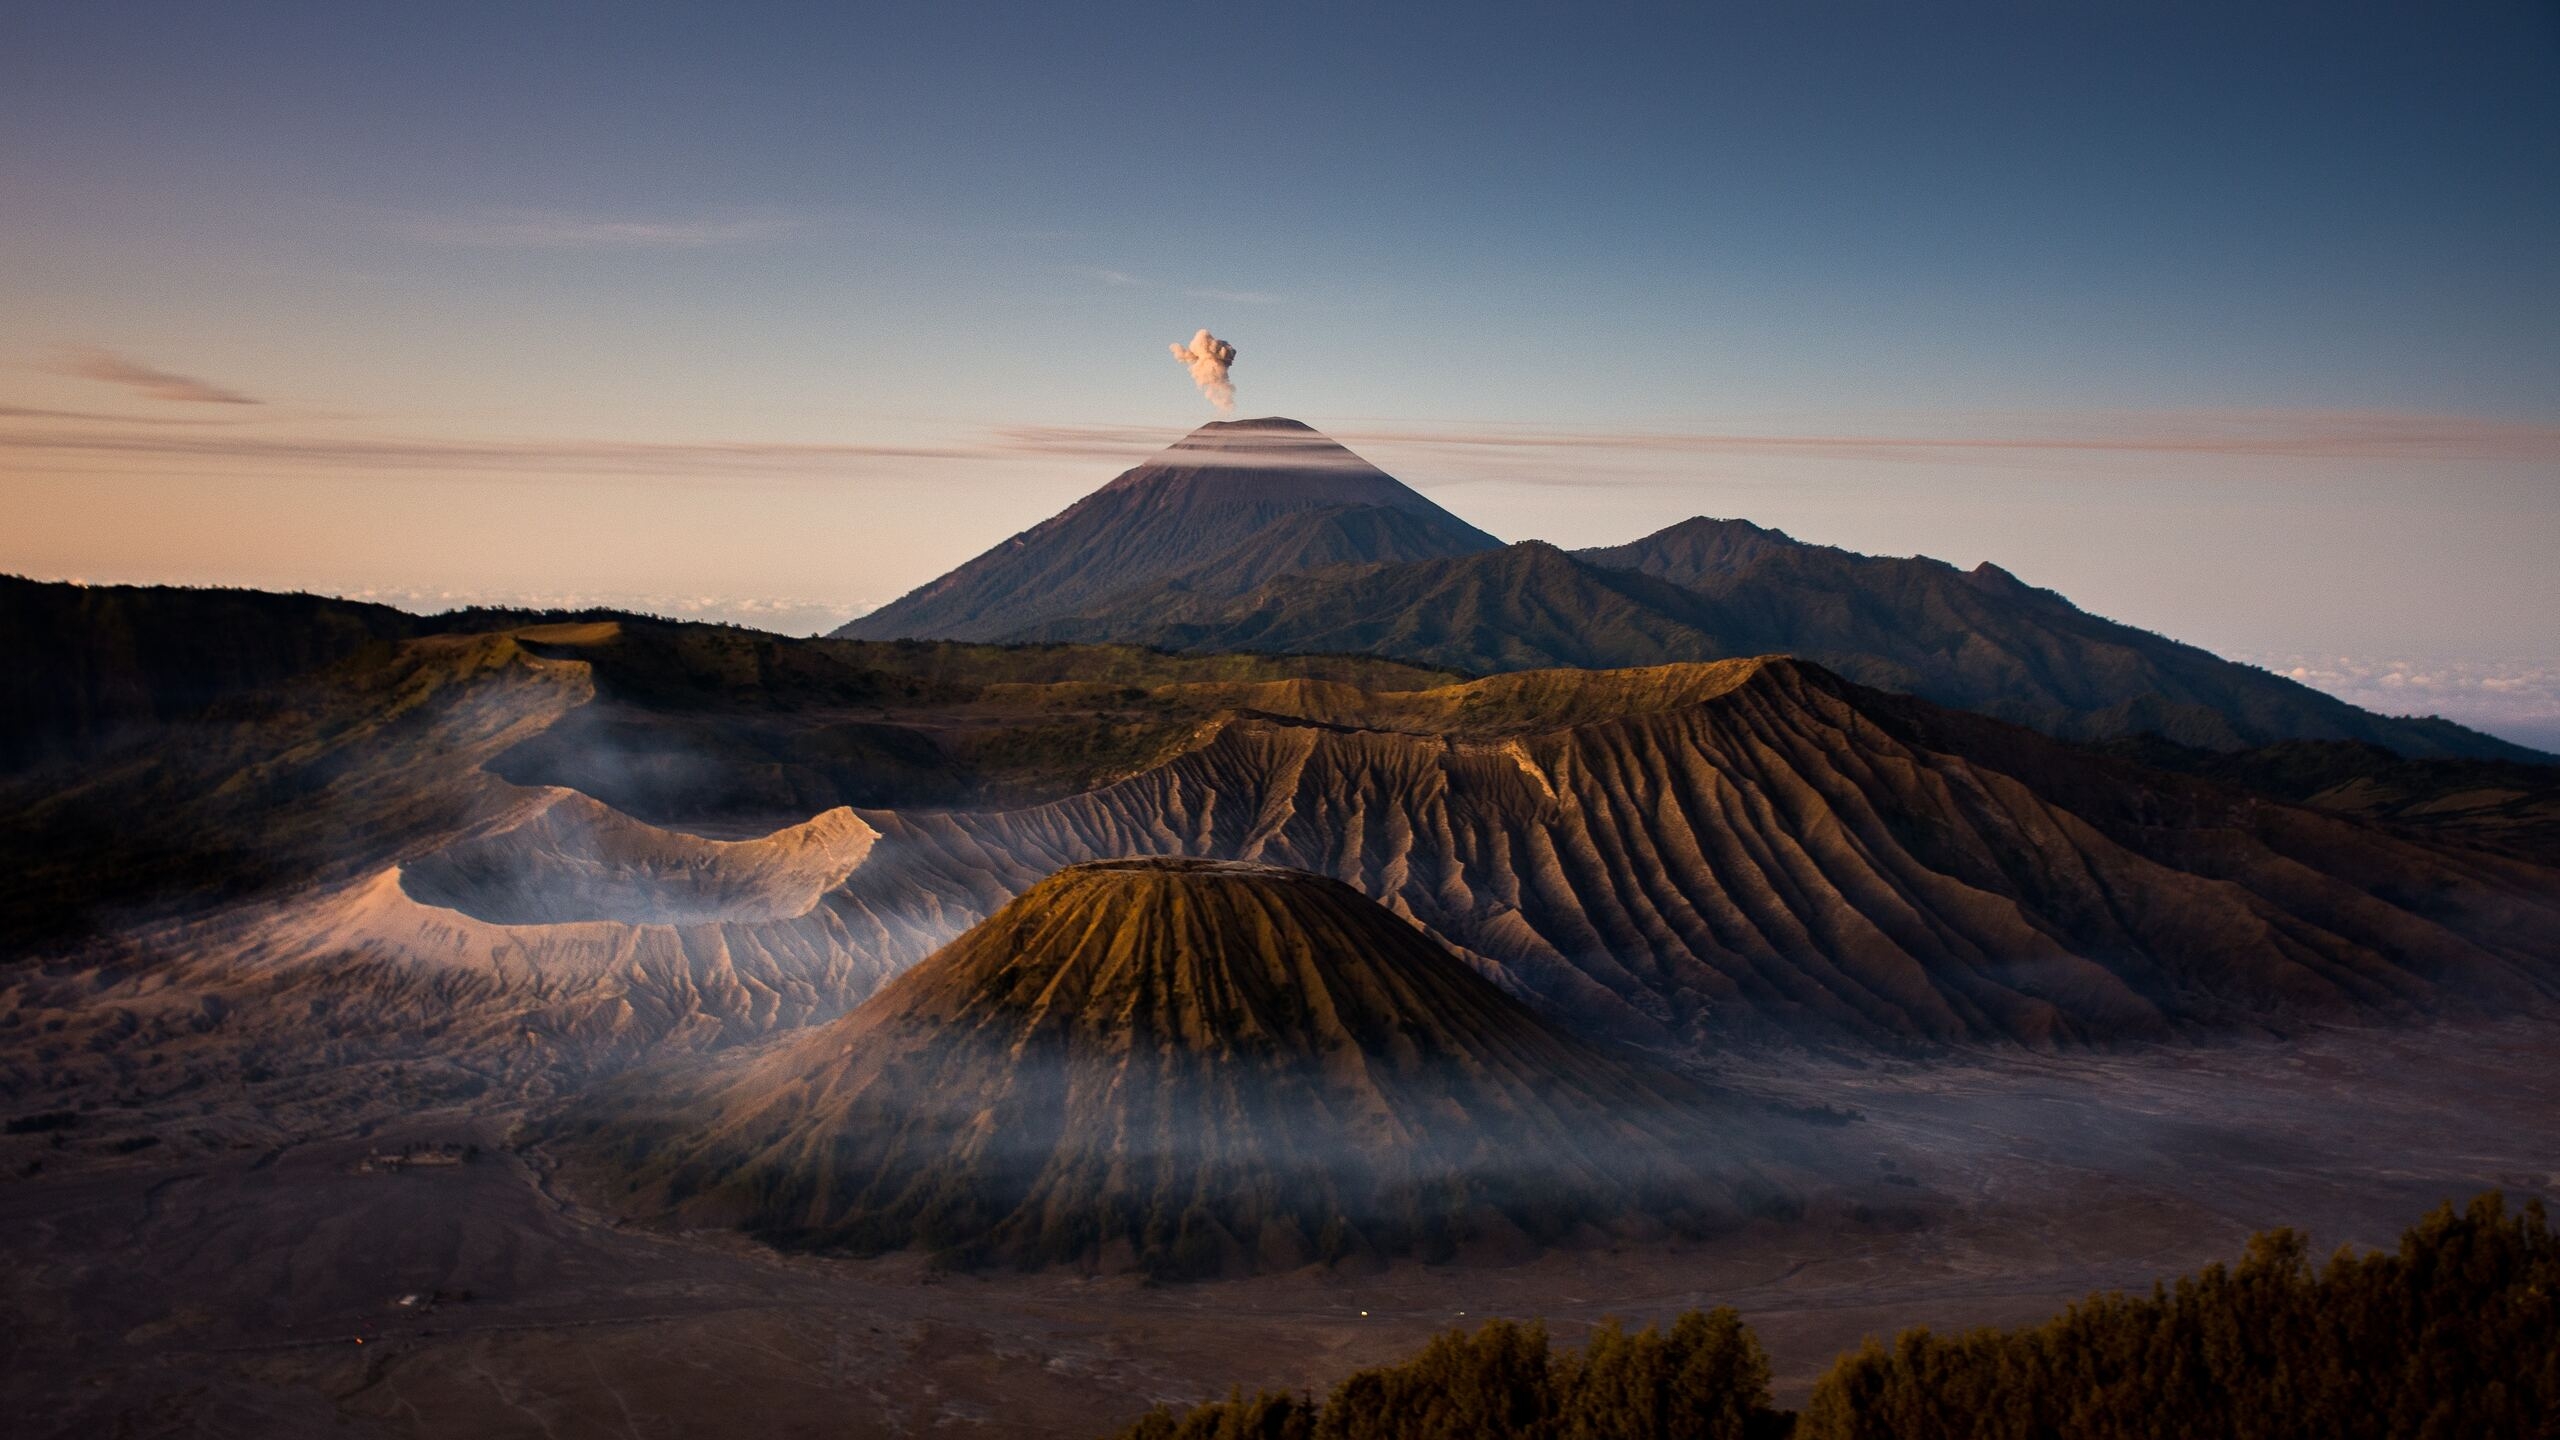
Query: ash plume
[{"x": 1207, "y": 357}]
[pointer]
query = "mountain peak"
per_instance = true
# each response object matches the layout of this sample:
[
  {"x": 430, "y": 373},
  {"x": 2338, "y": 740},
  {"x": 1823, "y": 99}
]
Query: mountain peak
[
  {"x": 1264, "y": 422},
  {"x": 1211, "y": 503},
  {"x": 1271, "y": 454},
  {"x": 1696, "y": 549}
]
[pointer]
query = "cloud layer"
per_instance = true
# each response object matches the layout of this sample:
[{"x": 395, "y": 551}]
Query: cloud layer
[
  {"x": 2516, "y": 698},
  {"x": 95, "y": 362},
  {"x": 560, "y": 230},
  {"x": 1513, "y": 454},
  {"x": 2288, "y": 434}
]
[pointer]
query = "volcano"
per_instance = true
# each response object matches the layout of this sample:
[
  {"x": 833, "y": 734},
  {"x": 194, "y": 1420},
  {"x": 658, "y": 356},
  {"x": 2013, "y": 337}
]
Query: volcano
[
  {"x": 1233, "y": 504},
  {"x": 1266, "y": 536},
  {"x": 1194, "y": 1066}
]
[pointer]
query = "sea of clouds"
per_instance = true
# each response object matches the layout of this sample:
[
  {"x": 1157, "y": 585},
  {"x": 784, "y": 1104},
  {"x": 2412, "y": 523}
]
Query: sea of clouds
[{"x": 2516, "y": 699}]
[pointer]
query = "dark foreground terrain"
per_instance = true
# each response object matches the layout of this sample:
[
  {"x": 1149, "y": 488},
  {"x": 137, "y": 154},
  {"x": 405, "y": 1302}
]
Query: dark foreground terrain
[{"x": 175, "y": 1290}]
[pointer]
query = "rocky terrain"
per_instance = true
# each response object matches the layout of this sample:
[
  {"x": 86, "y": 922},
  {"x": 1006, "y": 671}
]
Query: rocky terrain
[{"x": 1683, "y": 857}]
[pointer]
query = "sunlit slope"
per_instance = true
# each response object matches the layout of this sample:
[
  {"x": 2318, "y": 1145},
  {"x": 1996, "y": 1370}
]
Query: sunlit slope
[
  {"x": 1190, "y": 1065},
  {"x": 568, "y": 858}
]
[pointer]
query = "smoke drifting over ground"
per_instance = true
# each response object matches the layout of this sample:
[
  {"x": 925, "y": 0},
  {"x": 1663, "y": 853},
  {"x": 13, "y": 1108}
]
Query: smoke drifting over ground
[{"x": 1207, "y": 358}]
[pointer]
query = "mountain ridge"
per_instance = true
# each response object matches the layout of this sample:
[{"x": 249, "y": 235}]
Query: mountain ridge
[
  {"x": 1818, "y": 858},
  {"x": 1701, "y": 589}
]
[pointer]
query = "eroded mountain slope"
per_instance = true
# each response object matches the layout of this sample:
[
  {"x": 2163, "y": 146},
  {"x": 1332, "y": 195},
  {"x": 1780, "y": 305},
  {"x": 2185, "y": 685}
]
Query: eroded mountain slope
[
  {"x": 1674, "y": 855},
  {"x": 1186, "y": 1065},
  {"x": 1759, "y": 844}
]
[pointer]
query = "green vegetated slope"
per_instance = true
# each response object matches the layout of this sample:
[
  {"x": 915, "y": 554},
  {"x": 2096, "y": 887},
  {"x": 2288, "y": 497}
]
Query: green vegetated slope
[
  {"x": 2456, "y": 1333},
  {"x": 1190, "y": 1067},
  {"x": 702, "y": 724}
]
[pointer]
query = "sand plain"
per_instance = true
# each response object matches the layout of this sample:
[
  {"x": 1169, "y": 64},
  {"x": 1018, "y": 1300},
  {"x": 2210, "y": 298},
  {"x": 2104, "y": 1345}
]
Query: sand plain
[{"x": 225, "y": 1288}]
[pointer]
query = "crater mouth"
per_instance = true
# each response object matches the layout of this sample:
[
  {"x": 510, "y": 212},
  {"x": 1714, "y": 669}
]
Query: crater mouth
[{"x": 573, "y": 859}]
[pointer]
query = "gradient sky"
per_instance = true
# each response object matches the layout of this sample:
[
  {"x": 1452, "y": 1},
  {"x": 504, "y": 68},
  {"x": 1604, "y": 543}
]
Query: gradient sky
[{"x": 2237, "y": 322}]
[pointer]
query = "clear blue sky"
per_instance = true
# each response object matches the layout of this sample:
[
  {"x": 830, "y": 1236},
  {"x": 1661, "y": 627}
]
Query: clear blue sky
[{"x": 2255, "y": 310}]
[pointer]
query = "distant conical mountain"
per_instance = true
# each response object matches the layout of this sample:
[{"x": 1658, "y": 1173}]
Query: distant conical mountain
[
  {"x": 1232, "y": 504},
  {"x": 1191, "y": 1065}
]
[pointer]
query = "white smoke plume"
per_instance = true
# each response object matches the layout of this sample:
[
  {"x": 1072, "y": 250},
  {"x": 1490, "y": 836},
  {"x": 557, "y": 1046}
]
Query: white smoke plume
[{"x": 1207, "y": 357}]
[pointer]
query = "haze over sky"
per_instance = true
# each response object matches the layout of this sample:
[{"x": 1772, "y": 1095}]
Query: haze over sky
[{"x": 2238, "y": 322}]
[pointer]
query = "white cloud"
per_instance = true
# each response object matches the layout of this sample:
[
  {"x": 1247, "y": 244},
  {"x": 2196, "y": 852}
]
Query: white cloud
[{"x": 2503, "y": 696}]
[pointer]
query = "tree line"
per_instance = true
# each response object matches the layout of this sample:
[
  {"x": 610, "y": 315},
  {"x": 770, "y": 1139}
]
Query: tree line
[{"x": 2454, "y": 1333}]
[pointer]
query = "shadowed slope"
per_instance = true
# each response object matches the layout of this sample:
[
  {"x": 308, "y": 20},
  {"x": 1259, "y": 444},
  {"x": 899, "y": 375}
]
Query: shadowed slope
[
  {"x": 99, "y": 662},
  {"x": 1195, "y": 1064},
  {"x": 1524, "y": 607},
  {"x": 1720, "y": 589},
  {"x": 2494, "y": 804},
  {"x": 1983, "y": 640},
  {"x": 696, "y": 724},
  {"x": 1711, "y": 590}
]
